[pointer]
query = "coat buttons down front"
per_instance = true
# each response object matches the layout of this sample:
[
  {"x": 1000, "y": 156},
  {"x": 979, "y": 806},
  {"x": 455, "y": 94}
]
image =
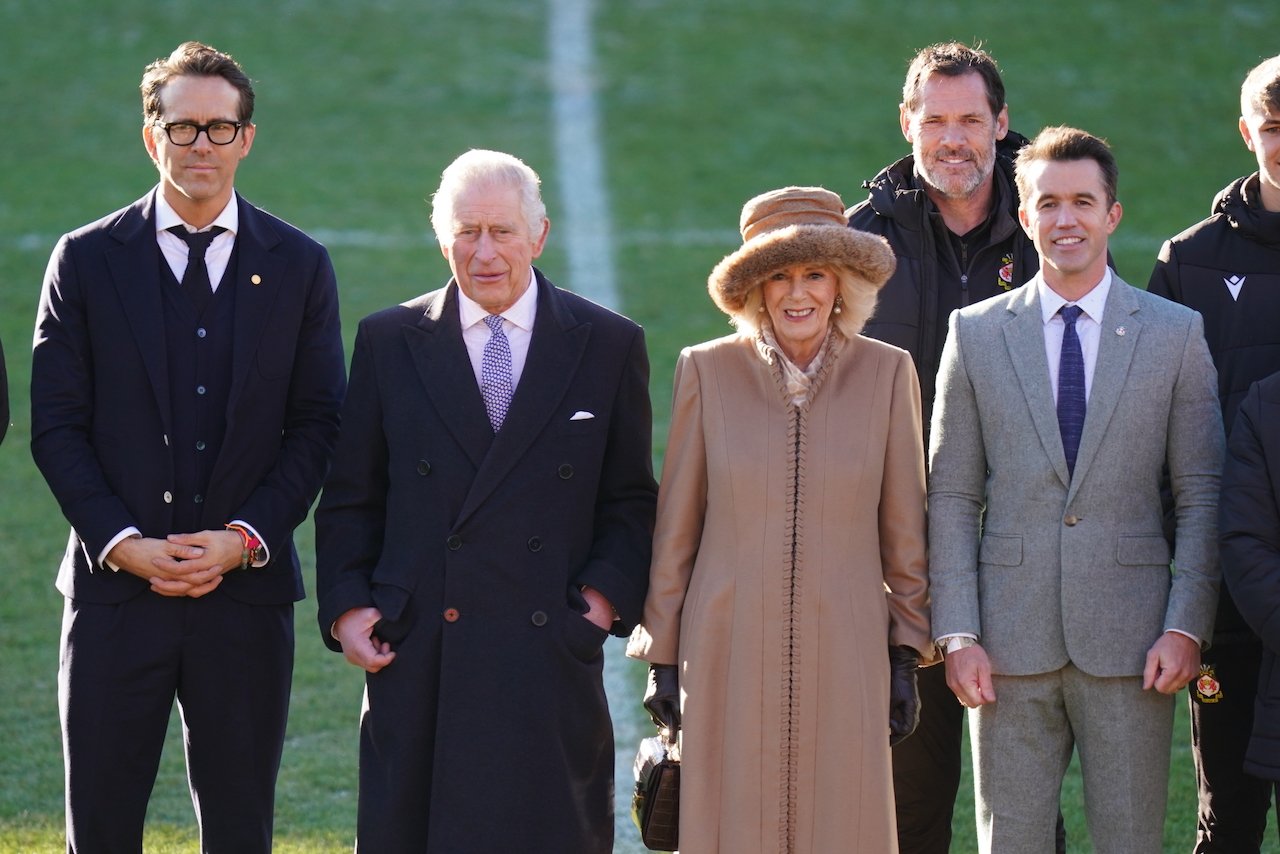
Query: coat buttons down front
[
  {"x": 200, "y": 446},
  {"x": 535, "y": 544},
  {"x": 168, "y": 497},
  {"x": 538, "y": 618},
  {"x": 200, "y": 333},
  {"x": 200, "y": 389},
  {"x": 451, "y": 615},
  {"x": 199, "y": 499},
  {"x": 565, "y": 471},
  {"x": 1071, "y": 521},
  {"x": 424, "y": 468},
  {"x": 454, "y": 542}
]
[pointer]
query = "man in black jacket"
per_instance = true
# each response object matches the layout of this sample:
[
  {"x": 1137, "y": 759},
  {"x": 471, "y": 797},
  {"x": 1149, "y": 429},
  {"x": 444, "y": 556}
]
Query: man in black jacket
[
  {"x": 949, "y": 210},
  {"x": 1227, "y": 267}
]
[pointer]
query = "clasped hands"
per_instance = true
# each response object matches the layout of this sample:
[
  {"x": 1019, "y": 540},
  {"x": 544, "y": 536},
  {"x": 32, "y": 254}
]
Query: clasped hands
[{"x": 180, "y": 564}]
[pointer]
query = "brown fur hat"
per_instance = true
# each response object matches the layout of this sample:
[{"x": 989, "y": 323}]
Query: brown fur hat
[{"x": 796, "y": 225}]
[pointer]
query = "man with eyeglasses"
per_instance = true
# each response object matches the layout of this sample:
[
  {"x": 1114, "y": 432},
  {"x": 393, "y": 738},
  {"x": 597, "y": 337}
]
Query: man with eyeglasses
[{"x": 186, "y": 381}]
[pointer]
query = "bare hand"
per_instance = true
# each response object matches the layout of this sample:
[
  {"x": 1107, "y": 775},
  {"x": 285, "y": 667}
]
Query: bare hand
[
  {"x": 969, "y": 676},
  {"x": 354, "y": 630},
  {"x": 1172, "y": 662},
  {"x": 173, "y": 568},
  {"x": 599, "y": 609},
  {"x": 220, "y": 553}
]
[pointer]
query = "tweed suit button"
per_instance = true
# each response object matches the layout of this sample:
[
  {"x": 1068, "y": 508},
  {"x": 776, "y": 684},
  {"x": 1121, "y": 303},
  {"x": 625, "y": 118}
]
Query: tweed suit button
[
  {"x": 538, "y": 618},
  {"x": 451, "y": 615},
  {"x": 1071, "y": 521},
  {"x": 535, "y": 544},
  {"x": 565, "y": 471},
  {"x": 454, "y": 542},
  {"x": 168, "y": 497},
  {"x": 424, "y": 468}
]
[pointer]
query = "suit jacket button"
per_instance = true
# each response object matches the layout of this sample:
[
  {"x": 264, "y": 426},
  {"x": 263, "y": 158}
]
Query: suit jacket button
[
  {"x": 451, "y": 615},
  {"x": 454, "y": 542},
  {"x": 168, "y": 497},
  {"x": 565, "y": 471},
  {"x": 535, "y": 544},
  {"x": 538, "y": 618},
  {"x": 424, "y": 468},
  {"x": 1071, "y": 521}
]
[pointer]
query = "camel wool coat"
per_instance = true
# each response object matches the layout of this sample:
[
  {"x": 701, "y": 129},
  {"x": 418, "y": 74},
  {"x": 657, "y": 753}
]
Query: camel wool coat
[{"x": 789, "y": 554}]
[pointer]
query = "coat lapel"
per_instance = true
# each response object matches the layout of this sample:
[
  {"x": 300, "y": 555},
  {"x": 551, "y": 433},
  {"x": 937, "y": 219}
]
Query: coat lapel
[
  {"x": 259, "y": 279},
  {"x": 1024, "y": 336},
  {"x": 555, "y": 349},
  {"x": 135, "y": 271},
  {"x": 1115, "y": 354},
  {"x": 440, "y": 356}
]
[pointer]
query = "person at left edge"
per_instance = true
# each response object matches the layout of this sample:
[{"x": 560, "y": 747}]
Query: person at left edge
[
  {"x": 4, "y": 397},
  {"x": 474, "y": 550},
  {"x": 184, "y": 445}
]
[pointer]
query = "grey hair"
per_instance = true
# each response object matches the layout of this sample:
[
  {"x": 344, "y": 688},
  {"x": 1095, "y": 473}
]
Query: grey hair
[{"x": 483, "y": 168}]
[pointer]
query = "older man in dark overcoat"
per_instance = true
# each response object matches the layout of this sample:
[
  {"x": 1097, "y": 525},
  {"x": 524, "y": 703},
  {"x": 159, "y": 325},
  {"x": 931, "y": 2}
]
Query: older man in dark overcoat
[{"x": 485, "y": 527}]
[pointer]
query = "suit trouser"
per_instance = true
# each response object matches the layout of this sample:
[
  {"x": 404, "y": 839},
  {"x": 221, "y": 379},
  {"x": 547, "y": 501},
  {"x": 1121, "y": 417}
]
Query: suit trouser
[
  {"x": 926, "y": 768},
  {"x": 1022, "y": 745},
  {"x": 1233, "y": 804},
  {"x": 229, "y": 666}
]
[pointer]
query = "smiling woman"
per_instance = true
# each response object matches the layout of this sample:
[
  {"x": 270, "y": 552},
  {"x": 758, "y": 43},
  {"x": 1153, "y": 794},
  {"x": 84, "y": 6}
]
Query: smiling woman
[{"x": 794, "y": 476}]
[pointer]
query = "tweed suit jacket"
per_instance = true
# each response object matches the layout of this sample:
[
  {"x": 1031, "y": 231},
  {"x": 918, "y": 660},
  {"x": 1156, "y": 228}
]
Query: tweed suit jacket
[{"x": 1046, "y": 568}]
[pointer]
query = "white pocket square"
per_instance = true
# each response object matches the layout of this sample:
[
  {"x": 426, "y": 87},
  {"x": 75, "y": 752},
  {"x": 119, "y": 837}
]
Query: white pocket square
[{"x": 581, "y": 415}]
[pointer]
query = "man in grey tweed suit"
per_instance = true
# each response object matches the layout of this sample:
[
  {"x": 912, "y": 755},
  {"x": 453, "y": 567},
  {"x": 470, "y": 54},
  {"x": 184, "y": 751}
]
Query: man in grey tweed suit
[{"x": 1064, "y": 623}]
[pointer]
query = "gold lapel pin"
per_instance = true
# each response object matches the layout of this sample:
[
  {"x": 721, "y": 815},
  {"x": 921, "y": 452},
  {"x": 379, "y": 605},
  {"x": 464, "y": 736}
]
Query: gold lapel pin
[{"x": 257, "y": 280}]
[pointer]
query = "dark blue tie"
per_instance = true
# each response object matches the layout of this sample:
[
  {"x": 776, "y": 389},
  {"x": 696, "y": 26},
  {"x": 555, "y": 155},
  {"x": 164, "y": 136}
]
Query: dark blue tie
[
  {"x": 1071, "y": 399},
  {"x": 195, "y": 281}
]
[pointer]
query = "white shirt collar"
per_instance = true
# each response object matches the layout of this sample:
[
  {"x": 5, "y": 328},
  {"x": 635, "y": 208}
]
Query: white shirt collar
[
  {"x": 167, "y": 217},
  {"x": 521, "y": 313},
  {"x": 1091, "y": 303}
]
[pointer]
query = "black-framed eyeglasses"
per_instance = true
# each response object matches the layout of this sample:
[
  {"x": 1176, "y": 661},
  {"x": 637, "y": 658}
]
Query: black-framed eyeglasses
[{"x": 184, "y": 133}]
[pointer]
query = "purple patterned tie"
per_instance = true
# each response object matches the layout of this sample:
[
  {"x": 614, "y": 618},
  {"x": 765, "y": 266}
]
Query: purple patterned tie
[
  {"x": 1071, "y": 399},
  {"x": 495, "y": 372}
]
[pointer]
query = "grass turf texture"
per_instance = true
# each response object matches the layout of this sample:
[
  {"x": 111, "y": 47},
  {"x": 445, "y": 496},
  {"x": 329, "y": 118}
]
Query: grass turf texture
[{"x": 703, "y": 105}]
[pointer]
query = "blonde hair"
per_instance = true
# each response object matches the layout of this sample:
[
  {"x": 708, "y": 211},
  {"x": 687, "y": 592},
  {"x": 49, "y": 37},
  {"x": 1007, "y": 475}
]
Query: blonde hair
[{"x": 854, "y": 294}]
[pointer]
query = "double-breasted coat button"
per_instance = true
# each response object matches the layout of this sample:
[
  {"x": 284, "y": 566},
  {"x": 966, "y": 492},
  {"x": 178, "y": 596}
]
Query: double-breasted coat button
[
  {"x": 424, "y": 468},
  {"x": 565, "y": 471},
  {"x": 538, "y": 618},
  {"x": 168, "y": 497},
  {"x": 1071, "y": 521},
  {"x": 199, "y": 499},
  {"x": 535, "y": 544},
  {"x": 454, "y": 542},
  {"x": 451, "y": 615}
]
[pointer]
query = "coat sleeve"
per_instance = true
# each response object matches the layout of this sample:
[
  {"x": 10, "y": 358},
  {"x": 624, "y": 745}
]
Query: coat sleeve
[
  {"x": 682, "y": 507},
  {"x": 1164, "y": 277},
  {"x": 62, "y": 402},
  {"x": 279, "y": 502},
  {"x": 351, "y": 517},
  {"x": 1250, "y": 523},
  {"x": 623, "y": 534},
  {"x": 1195, "y": 452},
  {"x": 957, "y": 494},
  {"x": 902, "y": 517}
]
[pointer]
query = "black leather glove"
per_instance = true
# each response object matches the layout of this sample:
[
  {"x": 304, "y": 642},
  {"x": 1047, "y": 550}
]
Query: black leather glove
[
  {"x": 904, "y": 699},
  {"x": 662, "y": 696}
]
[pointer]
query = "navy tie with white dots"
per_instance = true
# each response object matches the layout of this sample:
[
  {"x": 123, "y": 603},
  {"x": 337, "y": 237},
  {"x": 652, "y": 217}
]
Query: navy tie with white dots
[{"x": 495, "y": 372}]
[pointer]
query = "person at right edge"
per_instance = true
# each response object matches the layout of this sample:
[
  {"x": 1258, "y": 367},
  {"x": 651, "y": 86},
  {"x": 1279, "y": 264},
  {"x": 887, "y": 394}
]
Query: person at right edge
[
  {"x": 1227, "y": 267},
  {"x": 950, "y": 213}
]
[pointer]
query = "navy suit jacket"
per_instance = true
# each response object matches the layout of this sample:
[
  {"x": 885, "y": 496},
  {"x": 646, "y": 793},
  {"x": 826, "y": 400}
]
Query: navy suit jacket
[{"x": 102, "y": 418}]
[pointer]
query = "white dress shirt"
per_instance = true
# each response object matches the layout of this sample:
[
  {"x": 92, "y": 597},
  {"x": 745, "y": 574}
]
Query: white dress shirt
[
  {"x": 1088, "y": 326},
  {"x": 517, "y": 325},
  {"x": 174, "y": 248}
]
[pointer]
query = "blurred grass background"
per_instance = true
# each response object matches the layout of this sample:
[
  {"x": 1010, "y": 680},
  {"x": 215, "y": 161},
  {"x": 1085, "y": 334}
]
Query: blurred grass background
[{"x": 703, "y": 104}]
